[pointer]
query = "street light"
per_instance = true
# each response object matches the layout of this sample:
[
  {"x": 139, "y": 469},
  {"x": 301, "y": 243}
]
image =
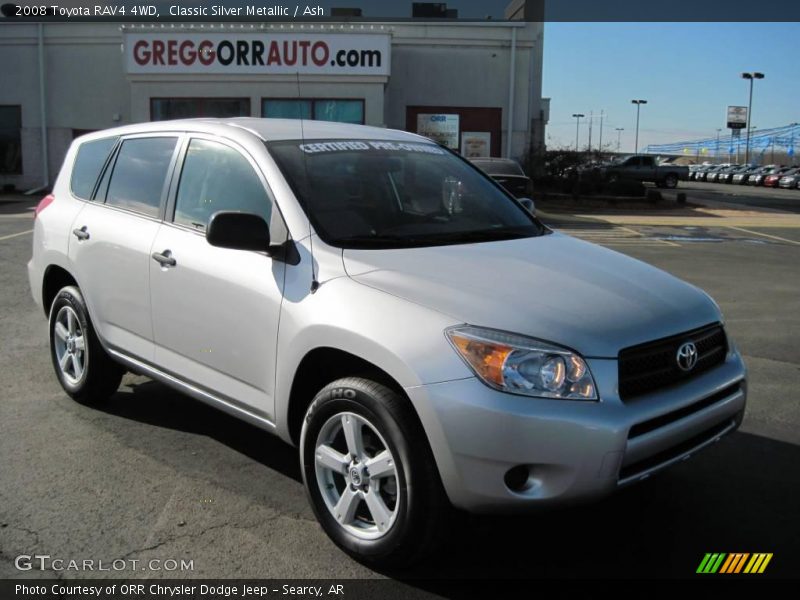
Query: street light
[
  {"x": 752, "y": 77},
  {"x": 716, "y": 154},
  {"x": 638, "y": 104},
  {"x": 619, "y": 135},
  {"x": 578, "y": 117}
]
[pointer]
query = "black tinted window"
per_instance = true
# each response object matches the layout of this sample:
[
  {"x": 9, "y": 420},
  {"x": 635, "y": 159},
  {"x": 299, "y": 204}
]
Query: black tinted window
[
  {"x": 383, "y": 194},
  {"x": 139, "y": 173},
  {"x": 88, "y": 164},
  {"x": 216, "y": 177}
]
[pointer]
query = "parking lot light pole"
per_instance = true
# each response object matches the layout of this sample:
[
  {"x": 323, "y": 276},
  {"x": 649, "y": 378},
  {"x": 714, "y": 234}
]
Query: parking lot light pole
[
  {"x": 751, "y": 77},
  {"x": 577, "y": 116},
  {"x": 619, "y": 136},
  {"x": 638, "y": 104},
  {"x": 716, "y": 154}
]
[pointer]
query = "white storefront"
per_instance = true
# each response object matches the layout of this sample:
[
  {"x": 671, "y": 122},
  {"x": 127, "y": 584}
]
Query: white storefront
[{"x": 473, "y": 86}]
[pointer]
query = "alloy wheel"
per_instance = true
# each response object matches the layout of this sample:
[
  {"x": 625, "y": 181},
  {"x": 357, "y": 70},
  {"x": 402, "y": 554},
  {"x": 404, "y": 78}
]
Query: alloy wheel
[
  {"x": 357, "y": 476},
  {"x": 70, "y": 345}
]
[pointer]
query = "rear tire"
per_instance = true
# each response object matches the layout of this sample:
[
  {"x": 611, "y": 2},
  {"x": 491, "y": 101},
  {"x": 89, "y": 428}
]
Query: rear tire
[
  {"x": 83, "y": 368},
  {"x": 671, "y": 181},
  {"x": 370, "y": 475}
]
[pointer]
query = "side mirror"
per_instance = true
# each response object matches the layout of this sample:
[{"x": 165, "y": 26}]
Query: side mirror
[
  {"x": 528, "y": 203},
  {"x": 238, "y": 231}
]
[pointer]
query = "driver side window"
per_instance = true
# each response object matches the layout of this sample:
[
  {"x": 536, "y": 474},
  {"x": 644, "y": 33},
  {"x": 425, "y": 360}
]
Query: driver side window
[{"x": 216, "y": 177}]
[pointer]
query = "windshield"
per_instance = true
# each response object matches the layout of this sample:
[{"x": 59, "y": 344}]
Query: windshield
[{"x": 388, "y": 194}]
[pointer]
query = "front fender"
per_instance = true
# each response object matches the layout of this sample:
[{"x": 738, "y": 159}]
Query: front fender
[{"x": 403, "y": 339}]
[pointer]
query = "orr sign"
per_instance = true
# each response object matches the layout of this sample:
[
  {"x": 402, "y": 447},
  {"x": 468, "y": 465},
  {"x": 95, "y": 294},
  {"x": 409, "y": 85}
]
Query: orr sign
[{"x": 258, "y": 53}]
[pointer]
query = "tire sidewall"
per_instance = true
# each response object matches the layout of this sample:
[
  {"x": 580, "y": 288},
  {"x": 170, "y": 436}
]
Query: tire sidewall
[
  {"x": 362, "y": 403},
  {"x": 70, "y": 296}
]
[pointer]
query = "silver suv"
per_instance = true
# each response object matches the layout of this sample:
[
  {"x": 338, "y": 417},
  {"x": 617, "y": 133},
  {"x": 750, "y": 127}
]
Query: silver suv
[{"x": 379, "y": 302}]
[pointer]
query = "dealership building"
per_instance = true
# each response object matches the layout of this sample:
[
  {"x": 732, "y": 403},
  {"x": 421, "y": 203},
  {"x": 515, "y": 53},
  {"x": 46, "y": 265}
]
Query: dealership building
[{"x": 475, "y": 86}]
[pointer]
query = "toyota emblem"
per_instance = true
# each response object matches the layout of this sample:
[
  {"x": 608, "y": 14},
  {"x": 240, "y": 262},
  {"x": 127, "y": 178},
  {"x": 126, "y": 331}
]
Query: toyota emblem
[{"x": 687, "y": 356}]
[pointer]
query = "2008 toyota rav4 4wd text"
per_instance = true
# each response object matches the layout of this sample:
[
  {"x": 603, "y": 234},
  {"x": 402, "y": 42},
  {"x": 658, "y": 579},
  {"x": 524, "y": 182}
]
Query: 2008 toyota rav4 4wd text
[{"x": 376, "y": 300}]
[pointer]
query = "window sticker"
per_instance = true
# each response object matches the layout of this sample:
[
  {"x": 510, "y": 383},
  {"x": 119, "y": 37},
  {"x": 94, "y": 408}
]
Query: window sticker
[{"x": 369, "y": 145}]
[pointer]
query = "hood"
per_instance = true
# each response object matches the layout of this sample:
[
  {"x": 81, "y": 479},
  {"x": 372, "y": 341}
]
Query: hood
[{"x": 553, "y": 287}]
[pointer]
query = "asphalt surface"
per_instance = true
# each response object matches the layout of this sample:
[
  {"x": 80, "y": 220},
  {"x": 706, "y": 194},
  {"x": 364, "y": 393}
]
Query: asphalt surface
[
  {"x": 745, "y": 195},
  {"x": 155, "y": 475}
]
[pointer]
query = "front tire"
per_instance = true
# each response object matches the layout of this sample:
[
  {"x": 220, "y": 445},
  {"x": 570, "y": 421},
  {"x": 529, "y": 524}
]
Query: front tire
[
  {"x": 83, "y": 368},
  {"x": 370, "y": 475}
]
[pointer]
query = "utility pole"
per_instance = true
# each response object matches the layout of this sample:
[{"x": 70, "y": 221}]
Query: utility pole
[
  {"x": 751, "y": 77},
  {"x": 591, "y": 118},
  {"x": 577, "y": 117},
  {"x": 600, "y": 146},
  {"x": 638, "y": 104}
]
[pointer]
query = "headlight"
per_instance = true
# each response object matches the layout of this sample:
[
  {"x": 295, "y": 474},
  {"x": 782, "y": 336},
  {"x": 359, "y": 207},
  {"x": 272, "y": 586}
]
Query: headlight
[{"x": 521, "y": 365}]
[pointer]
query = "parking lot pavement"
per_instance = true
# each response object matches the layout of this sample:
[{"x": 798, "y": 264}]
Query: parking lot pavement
[
  {"x": 155, "y": 475},
  {"x": 744, "y": 195}
]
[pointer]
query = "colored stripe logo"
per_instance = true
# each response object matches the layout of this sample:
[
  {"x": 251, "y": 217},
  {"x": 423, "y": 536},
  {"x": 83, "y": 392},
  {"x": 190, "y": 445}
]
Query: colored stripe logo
[{"x": 736, "y": 562}]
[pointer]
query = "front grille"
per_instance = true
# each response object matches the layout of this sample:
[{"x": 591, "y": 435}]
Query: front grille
[
  {"x": 653, "y": 366},
  {"x": 676, "y": 415},
  {"x": 674, "y": 452},
  {"x": 516, "y": 186}
]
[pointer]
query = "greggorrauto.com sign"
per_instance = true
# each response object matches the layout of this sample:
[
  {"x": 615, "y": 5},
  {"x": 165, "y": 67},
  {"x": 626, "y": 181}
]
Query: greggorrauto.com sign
[{"x": 258, "y": 53}]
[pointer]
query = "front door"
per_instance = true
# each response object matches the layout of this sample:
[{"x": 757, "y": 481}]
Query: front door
[{"x": 215, "y": 310}]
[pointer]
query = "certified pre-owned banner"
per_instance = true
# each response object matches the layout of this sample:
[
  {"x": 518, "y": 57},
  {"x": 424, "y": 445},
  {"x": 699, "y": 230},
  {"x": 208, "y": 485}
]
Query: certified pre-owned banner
[{"x": 258, "y": 53}]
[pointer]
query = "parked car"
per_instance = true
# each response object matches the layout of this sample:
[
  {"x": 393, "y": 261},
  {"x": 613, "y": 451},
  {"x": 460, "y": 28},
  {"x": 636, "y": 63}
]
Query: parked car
[
  {"x": 790, "y": 179},
  {"x": 726, "y": 175},
  {"x": 774, "y": 176},
  {"x": 645, "y": 168},
  {"x": 703, "y": 173},
  {"x": 694, "y": 170},
  {"x": 742, "y": 177},
  {"x": 508, "y": 173},
  {"x": 438, "y": 345},
  {"x": 711, "y": 174},
  {"x": 758, "y": 177}
]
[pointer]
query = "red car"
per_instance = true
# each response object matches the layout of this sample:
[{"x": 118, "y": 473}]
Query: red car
[{"x": 774, "y": 177}]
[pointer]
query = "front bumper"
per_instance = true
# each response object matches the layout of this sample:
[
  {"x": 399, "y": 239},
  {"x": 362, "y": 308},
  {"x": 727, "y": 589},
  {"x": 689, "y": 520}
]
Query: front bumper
[{"x": 570, "y": 450}]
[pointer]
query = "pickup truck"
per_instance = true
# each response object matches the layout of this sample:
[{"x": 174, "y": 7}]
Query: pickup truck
[{"x": 645, "y": 168}]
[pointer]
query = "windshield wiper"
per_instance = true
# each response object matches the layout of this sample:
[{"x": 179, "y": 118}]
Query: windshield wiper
[{"x": 483, "y": 235}]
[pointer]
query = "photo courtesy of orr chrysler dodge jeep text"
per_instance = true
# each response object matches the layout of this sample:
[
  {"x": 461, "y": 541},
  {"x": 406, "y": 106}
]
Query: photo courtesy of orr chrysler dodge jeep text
[{"x": 376, "y": 300}]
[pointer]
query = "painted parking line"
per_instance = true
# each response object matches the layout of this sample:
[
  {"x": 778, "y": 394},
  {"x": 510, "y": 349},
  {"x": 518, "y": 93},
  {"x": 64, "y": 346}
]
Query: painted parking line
[
  {"x": 766, "y": 235},
  {"x": 13, "y": 235},
  {"x": 25, "y": 215},
  {"x": 616, "y": 236},
  {"x": 633, "y": 231}
]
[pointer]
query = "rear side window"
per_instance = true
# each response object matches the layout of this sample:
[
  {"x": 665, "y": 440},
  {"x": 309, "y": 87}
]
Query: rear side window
[
  {"x": 216, "y": 177},
  {"x": 88, "y": 164},
  {"x": 139, "y": 173}
]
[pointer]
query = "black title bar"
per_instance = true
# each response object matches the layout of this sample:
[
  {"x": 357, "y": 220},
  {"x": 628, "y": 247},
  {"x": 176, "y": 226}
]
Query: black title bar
[{"x": 125, "y": 11}]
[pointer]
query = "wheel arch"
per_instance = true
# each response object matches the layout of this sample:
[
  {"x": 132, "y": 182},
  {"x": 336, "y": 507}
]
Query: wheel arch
[
  {"x": 319, "y": 367},
  {"x": 55, "y": 278}
]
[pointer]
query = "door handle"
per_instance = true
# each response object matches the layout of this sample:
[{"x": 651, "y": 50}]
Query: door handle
[
  {"x": 81, "y": 233},
  {"x": 164, "y": 258}
]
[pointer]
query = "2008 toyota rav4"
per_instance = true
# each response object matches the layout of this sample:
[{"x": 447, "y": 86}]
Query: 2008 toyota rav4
[{"x": 376, "y": 300}]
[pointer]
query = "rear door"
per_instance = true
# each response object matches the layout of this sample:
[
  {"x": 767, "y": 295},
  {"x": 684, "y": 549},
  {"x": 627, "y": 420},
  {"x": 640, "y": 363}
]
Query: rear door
[
  {"x": 111, "y": 240},
  {"x": 215, "y": 310}
]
